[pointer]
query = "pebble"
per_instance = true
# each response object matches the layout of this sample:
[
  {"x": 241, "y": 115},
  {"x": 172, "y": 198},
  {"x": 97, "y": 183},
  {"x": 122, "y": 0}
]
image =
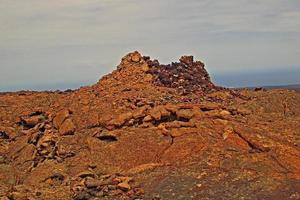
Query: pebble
[{"x": 124, "y": 186}]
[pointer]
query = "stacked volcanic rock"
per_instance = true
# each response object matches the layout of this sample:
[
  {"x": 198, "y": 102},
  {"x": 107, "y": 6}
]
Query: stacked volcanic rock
[
  {"x": 186, "y": 75},
  {"x": 88, "y": 185}
]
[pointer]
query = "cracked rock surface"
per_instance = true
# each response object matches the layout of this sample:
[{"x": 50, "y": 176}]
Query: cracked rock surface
[{"x": 150, "y": 131}]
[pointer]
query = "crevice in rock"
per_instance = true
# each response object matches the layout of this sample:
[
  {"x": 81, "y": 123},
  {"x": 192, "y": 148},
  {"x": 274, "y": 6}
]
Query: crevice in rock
[
  {"x": 160, "y": 155},
  {"x": 25, "y": 125},
  {"x": 4, "y": 135},
  {"x": 107, "y": 138},
  {"x": 164, "y": 119},
  {"x": 254, "y": 148},
  {"x": 206, "y": 109},
  {"x": 286, "y": 170},
  {"x": 36, "y": 113}
]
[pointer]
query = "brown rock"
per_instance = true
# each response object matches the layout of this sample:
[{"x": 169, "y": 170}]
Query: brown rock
[
  {"x": 7, "y": 132},
  {"x": 60, "y": 117},
  {"x": 124, "y": 186},
  {"x": 92, "y": 183},
  {"x": 86, "y": 174},
  {"x": 164, "y": 112},
  {"x": 140, "y": 112},
  {"x": 67, "y": 128},
  {"x": 148, "y": 118},
  {"x": 225, "y": 112},
  {"x": 33, "y": 120},
  {"x": 171, "y": 108},
  {"x": 145, "y": 67},
  {"x": 124, "y": 179},
  {"x": 148, "y": 77},
  {"x": 136, "y": 57},
  {"x": 243, "y": 111},
  {"x": 207, "y": 106},
  {"x": 155, "y": 113},
  {"x": 187, "y": 59},
  {"x": 121, "y": 119},
  {"x": 185, "y": 113}
]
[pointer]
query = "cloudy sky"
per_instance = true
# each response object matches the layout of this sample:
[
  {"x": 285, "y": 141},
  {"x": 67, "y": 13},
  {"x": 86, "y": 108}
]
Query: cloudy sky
[{"x": 63, "y": 44}]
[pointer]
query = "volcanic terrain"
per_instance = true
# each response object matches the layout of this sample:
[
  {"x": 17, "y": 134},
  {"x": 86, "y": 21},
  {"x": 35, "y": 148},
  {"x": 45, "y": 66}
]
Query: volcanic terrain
[{"x": 154, "y": 132}]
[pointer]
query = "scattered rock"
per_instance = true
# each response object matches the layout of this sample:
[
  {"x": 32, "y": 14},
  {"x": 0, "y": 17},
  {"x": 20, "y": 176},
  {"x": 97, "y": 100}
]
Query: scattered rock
[
  {"x": 124, "y": 186},
  {"x": 165, "y": 123},
  {"x": 85, "y": 174},
  {"x": 67, "y": 128},
  {"x": 145, "y": 67},
  {"x": 60, "y": 117},
  {"x": 155, "y": 113},
  {"x": 148, "y": 118},
  {"x": 93, "y": 183},
  {"x": 187, "y": 75},
  {"x": 185, "y": 113},
  {"x": 225, "y": 112},
  {"x": 121, "y": 119}
]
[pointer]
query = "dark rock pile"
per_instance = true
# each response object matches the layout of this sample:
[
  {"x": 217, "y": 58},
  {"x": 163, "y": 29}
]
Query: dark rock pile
[{"x": 186, "y": 75}]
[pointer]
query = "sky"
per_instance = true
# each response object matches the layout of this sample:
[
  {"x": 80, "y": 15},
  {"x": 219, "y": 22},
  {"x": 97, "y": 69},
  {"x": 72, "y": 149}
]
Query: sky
[{"x": 61, "y": 44}]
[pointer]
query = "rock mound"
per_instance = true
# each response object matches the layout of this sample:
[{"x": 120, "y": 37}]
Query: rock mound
[
  {"x": 150, "y": 131},
  {"x": 186, "y": 76}
]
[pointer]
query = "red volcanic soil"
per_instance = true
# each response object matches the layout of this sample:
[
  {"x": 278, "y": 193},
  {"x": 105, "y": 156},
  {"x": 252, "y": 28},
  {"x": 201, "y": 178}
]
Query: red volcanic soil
[{"x": 150, "y": 131}]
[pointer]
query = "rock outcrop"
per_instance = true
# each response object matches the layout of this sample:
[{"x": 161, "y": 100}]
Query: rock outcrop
[{"x": 150, "y": 131}]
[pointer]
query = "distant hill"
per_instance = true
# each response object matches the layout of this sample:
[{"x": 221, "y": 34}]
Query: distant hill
[{"x": 293, "y": 87}]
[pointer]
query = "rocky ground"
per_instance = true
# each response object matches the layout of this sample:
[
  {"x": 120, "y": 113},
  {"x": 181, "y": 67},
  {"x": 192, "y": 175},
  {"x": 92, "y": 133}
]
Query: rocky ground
[{"x": 150, "y": 131}]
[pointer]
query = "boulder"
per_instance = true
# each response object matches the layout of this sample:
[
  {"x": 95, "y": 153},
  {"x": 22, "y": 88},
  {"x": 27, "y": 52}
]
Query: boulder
[
  {"x": 155, "y": 113},
  {"x": 121, "y": 119},
  {"x": 60, "y": 117},
  {"x": 67, "y": 128},
  {"x": 185, "y": 113}
]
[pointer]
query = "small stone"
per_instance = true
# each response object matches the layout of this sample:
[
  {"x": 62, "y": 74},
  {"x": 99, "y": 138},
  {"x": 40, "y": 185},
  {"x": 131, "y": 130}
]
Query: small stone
[
  {"x": 164, "y": 112},
  {"x": 34, "y": 120},
  {"x": 60, "y": 118},
  {"x": 145, "y": 67},
  {"x": 163, "y": 129},
  {"x": 140, "y": 112},
  {"x": 135, "y": 57},
  {"x": 185, "y": 113},
  {"x": 148, "y": 77},
  {"x": 92, "y": 183},
  {"x": 83, "y": 195},
  {"x": 171, "y": 108},
  {"x": 125, "y": 179},
  {"x": 148, "y": 118},
  {"x": 207, "y": 106},
  {"x": 67, "y": 128},
  {"x": 227, "y": 131},
  {"x": 112, "y": 187},
  {"x": 176, "y": 132},
  {"x": 155, "y": 113},
  {"x": 225, "y": 112},
  {"x": 187, "y": 59},
  {"x": 18, "y": 195},
  {"x": 124, "y": 186},
  {"x": 121, "y": 119},
  {"x": 243, "y": 111},
  {"x": 86, "y": 174}
]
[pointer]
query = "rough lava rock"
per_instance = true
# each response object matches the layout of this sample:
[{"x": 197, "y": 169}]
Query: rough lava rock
[{"x": 150, "y": 131}]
